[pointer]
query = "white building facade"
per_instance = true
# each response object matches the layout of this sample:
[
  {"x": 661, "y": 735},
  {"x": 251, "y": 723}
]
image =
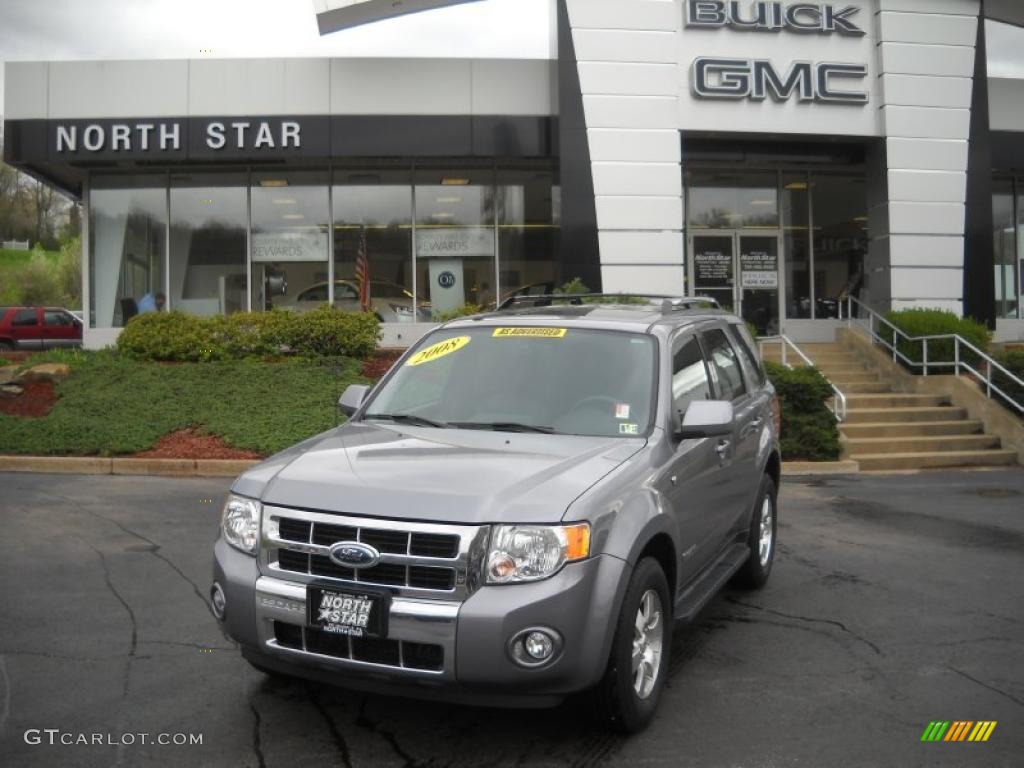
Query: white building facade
[{"x": 779, "y": 156}]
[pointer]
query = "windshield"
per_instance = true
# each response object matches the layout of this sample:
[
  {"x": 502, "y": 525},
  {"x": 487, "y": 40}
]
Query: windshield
[{"x": 563, "y": 381}]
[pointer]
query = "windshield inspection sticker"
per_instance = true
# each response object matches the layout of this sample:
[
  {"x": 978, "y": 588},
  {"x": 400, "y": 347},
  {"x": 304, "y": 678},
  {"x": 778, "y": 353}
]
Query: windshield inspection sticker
[
  {"x": 629, "y": 429},
  {"x": 622, "y": 410},
  {"x": 532, "y": 333},
  {"x": 439, "y": 350}
]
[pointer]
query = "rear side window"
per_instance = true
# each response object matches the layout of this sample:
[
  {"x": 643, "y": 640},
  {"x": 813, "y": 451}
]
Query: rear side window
[
  {"x": 726, "y": 364},
  {"x": 745, "y": 344},
  {"x": 690, "y": 379},
  {"x": 25, "y": 317}
]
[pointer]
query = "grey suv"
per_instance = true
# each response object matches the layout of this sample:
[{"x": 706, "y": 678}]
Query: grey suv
[{"x": 520, "y": 510}]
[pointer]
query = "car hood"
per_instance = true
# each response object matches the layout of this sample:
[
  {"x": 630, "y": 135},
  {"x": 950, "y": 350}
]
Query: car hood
[{"x": 455, "y": 476}]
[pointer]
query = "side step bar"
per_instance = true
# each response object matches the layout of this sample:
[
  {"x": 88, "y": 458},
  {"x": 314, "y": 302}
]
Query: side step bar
[{"x": 707, "y": 585}]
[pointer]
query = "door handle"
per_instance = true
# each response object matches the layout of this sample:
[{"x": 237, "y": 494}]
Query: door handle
[{"x": 722, "y": 449}]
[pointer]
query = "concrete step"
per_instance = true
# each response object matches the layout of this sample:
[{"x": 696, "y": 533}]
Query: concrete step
[
  {"x": 895, "y": 400},
  {"x": 841, "y": 368},
  {"x": 910, "y": 428},
  {"x": 851, "y": 377},
  {"x": 874, "y": 462},
  {"x": 919, "y": 444},
  {"x": 863, "y": 388},
  {"x": 875, "y": 415}
]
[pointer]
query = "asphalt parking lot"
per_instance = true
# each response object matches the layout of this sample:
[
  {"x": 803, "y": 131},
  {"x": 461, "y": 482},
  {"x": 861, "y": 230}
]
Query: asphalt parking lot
[{"x": 895, "y": 601}]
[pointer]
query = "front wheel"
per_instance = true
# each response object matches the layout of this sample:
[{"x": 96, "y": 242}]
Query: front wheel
[
  {"x": 761, "y": 539},
  {"x": 628, "y": 694}
]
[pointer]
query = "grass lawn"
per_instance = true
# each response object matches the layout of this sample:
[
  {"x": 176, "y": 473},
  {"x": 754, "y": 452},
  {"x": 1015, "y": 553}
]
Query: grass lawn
[
  {"x": 113, "y": 406},
  {"x": 12, "y": 264}
]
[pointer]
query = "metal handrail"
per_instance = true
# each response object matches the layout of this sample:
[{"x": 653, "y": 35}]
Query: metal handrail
[
  {"x": 958, "y": 363},
  {"x": 838, "y": 402}
]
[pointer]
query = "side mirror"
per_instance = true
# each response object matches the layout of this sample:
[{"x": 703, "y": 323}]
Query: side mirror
[
  {"x": 706, "y": 418},
  {"x": 352, "y": 398}
]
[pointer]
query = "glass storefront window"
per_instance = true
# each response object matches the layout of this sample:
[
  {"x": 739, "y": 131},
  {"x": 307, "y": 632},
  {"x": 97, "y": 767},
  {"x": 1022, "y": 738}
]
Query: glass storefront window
[
  {"x": 455, "y": 238},
  {"x": 729, "y": 200},
  {"x": 373, "y": 223},
  {"x": 528, "y": 229},
  {"x": 127, "y": 247},
  {"x": 290, "y": 232},
  {"x": 1004, "y": 237},
  {"x": 840, "y": 220},
  {"x": 208, "y": 243},
  {"x": 796, "y": 244}
]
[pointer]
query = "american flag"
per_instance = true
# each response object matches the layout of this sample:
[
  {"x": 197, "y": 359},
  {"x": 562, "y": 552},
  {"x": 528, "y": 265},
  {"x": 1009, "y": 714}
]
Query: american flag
[{"x": 363, "y": 272}]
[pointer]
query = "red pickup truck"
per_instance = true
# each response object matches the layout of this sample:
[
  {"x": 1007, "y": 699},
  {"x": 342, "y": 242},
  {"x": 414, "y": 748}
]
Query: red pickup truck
[{"x": 38, "y": 328}]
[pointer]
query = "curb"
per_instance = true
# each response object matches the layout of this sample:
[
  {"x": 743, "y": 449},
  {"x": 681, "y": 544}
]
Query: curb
[
  {"x": 94, "y": 465},
  {"x": 812, "y": 468}
]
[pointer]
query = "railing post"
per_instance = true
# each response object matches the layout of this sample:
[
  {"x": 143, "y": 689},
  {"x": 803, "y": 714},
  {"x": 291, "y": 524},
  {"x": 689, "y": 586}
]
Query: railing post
[
  {"x": 956, "y": 356},
  {"x": 924, "y": 356}
]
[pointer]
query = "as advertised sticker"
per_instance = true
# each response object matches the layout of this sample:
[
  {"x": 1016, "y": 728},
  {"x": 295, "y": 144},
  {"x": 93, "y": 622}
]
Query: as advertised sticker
[
  {"x": 629, "y": 429},
  {"x": 439, "y": 350},
  {"x": 532, "y": 333}
]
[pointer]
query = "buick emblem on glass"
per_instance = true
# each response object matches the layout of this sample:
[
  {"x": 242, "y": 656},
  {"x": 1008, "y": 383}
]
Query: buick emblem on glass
[{"x": 354, "y": 554}]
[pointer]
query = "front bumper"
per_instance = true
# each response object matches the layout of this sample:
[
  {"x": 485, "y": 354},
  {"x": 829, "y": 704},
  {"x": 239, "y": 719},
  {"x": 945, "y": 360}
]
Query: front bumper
[{"x": 580, "y": 603}]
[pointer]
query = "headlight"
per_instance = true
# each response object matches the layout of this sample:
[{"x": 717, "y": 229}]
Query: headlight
[
  {"x": 533, "y": 552},
  {"x": 240, "y": 523}
]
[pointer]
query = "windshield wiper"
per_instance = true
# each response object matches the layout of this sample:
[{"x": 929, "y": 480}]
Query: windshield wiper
[
  {"x": 502, "y": 426},
  {"x": 406, "y": 418}
]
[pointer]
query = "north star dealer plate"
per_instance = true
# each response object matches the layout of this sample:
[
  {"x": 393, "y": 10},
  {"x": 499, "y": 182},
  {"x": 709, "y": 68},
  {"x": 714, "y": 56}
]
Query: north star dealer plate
[{"x": 357, "y": 613}]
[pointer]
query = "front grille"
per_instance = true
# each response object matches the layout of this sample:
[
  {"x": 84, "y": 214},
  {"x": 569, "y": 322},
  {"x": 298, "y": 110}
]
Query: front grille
[
  {"x": 413, "y": 556},
  {"x": 370, "y": 650}
]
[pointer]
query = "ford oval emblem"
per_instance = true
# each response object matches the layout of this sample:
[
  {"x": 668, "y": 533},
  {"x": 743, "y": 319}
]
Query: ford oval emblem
[{"x": 354, "y": 554}]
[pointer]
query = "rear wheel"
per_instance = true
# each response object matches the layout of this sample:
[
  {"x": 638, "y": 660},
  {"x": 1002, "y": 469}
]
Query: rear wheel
[
  {"x": 6, "y": 346},
  {"x": 627, "y": 696},
  {"x": 761, "y": 539}
]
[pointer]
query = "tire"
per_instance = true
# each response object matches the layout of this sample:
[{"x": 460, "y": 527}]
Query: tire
[
  {"x": 621, "y": 700},
  {"x": 6, "y": 346},
  {"x": 758, "y": 567}
]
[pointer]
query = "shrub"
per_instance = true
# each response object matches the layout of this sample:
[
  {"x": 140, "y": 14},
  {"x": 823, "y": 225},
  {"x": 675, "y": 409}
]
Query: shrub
[
  {"x": 1012, "y": 360},
  {"x": 809, "y": 429},
  {"x": 322, "y": 332},
  {"x": 170, "y": 336},
  {"x": 38, "y": 282},
  {"x": 934, "y": 322},
  {"x": 576, "y": 285},
  {"x": 463, "y": 311}
]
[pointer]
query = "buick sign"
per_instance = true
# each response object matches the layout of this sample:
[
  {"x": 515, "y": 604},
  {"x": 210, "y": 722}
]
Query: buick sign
[{"x": 354, "y": 554}]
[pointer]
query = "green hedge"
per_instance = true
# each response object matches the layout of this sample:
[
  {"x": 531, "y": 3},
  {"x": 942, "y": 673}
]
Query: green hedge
[
  {"x": 178, "y": 337},
  {"x": 1013, "y": 360},
  {"x": 933, "y": 322},
  {"x": 809, "y": 428}
]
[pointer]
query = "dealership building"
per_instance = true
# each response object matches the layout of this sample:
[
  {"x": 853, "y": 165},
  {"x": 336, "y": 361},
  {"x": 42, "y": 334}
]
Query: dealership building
[{"x": 776, "y": 155}]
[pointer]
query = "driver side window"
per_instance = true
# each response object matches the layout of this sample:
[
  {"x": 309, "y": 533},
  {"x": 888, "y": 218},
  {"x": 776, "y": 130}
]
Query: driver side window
[{"x": 690, "y": 380}]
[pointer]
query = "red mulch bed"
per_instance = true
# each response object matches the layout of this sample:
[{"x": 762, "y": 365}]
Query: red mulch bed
[
  {"x": 380, "y": 363},
  {"x": 192, "y": 444},
  {"x": 33, "y": 403}
]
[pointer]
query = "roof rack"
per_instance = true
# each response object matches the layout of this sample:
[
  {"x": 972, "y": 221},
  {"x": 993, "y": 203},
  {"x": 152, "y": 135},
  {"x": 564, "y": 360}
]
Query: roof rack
[{"x": 666, "y": 303}]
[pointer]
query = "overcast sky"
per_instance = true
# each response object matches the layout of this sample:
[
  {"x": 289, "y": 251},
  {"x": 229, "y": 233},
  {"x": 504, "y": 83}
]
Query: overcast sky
[
  {"x": 51, "y": 30},
  {"x": 54, "y": 30}
]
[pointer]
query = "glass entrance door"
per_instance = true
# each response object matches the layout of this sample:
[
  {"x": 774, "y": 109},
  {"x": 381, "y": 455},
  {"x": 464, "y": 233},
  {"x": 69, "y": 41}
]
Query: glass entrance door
[{"x": 741, "y": 270}]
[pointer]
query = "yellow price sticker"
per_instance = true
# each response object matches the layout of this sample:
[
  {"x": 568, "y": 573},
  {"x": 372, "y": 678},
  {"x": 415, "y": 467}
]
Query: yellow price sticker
[
  {"x": 439, "y": 350},
  {"x": 530, "y": 333}
]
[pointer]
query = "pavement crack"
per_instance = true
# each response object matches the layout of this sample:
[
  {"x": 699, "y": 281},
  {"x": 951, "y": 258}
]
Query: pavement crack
[
  {"x": 59, "y": 656},
  {"x": 339, "y": 741},
  {"x": 257, "y": 747},
  {"x": 810, "y": 619},
  {"x": 992, "y": 688},
  {"x": 131, "y": 618},
  {"x": 363, "y": 721}
]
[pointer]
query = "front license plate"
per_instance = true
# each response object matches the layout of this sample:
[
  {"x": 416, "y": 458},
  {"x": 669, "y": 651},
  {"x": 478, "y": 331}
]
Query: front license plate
[{"x": 355, "y": 613}]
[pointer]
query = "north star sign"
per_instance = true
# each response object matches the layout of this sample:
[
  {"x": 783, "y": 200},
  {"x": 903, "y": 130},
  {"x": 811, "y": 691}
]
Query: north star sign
[
  {"x": 167, "y": 136},
  {"x": 714, "y": 77}
]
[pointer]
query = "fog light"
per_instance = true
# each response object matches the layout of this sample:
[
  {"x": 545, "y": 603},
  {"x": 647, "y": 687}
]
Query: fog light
[
  {"x": 218, "y": 602},
  {"x": 539, "y": 645},
  {"x": 535, "y": 646}
]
